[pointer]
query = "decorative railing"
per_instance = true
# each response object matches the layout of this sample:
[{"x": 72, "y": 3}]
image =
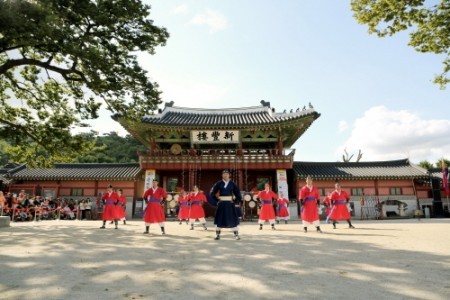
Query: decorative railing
[
  {"x": 217, "y": 152},
  {"x": 218, "y": 156}
]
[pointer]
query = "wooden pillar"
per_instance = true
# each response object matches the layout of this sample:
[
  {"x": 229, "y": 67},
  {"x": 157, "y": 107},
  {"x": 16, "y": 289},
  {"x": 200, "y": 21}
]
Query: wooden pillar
[
  {"x": 96, "y": 189},
  {"x": 191, "y": 180},
  {"x": 376, "y": 188},
  {"x": 240, "y": 179},
  {"x": 280, "y": 146}
]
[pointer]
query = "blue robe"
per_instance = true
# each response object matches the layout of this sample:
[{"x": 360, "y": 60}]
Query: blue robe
[{"x": 226, "y": 213}]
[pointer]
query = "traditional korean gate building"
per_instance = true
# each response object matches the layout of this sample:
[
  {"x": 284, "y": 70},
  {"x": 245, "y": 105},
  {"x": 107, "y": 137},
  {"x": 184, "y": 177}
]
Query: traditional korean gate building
[{"x": 191, "y": 146}]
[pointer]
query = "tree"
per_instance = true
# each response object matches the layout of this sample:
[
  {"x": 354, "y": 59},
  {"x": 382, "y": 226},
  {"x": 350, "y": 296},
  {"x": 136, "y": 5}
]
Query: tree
[
  {"x": 427, "y": 22},
  {"x": 112, "y": 148},
  {"x": 446, "y": 162},
  {"x": 60, "y": 61},
  {"x": 4, "y": 156},
  {"x": 425, "y": 164}
]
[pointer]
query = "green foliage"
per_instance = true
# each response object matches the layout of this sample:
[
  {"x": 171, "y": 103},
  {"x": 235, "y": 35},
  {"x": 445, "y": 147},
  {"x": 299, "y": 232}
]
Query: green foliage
[
  {"x": 108, "y": 148},
  {"x": 427, "y": 21},
  {"x": 446, "y": 163},
  {"x": 427, "y": 165},
  {"x": 4, "y": 156},
  {"x": 60, "y": 61},
  {"x": 112, "y": 148}
]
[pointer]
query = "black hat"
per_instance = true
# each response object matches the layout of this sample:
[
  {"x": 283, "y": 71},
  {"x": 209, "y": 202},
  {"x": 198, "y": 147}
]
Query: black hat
[
  {"x": 155, "y": 180},
  {"x": 109, "y": 186},
  {"x": 226, "y": 171}
]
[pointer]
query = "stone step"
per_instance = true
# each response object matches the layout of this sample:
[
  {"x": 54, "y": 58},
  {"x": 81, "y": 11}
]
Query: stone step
[{"x": 4, "y": 221}]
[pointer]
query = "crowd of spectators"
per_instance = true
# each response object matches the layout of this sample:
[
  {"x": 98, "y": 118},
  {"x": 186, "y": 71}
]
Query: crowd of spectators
[{"x": 23, "y": 207}]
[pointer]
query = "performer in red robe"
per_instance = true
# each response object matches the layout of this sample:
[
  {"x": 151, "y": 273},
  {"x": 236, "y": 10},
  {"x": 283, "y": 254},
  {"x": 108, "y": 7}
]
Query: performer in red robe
[
  {"x": 267, "y": 212},
  {"x": 309, "y": 202},
  {"x": 183, "y": 205},
  {"x": 282, "y": 209},
  {"x": 339, "y": 210},
  {"x": 121, "y": 207},
  {"x": 197, "y": 199},
  {"x": 154, "y": 212},
  {"x": 110, "y": 199}
]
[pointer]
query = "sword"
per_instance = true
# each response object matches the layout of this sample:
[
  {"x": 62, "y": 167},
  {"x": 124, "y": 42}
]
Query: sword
[{"x": 331, "y": 211}]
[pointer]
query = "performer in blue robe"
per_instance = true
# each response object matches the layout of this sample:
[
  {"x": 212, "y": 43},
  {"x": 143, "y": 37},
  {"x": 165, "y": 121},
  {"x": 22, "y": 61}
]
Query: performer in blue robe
[{"x": 227, "y": 194}]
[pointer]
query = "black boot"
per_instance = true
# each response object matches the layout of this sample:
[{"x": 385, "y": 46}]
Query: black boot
[
  {"x": 350, "y": 224},
  {"x": 103, "y": 226},
  {"x": 260, "y": 226},
  {"x": 278, "y": 221},
  {"x": 305, "y": 229},
  {"x": 318, "y": 229},
  {"x": 192, "y": 227},
  {"x": 116, "y": 222},
  {"x": 180, "y": 222},
  {"x": 217, "y": 235},
  {"x": 204, "y": 226},
  {"x": 146, "y": 229},
  {"x": 236, "y": 235},
  {"x": 163, "y": 232},
  {"x": 334, "y": 224},
  {"x": 124, "y": 222},
  {"x": 285, "y": 221},
  {"x": 111, "y": 222},
  {"x": 273, "y": 227}
]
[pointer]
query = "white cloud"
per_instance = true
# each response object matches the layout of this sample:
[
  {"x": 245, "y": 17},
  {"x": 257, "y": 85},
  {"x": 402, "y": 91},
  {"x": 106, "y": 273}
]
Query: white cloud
[
  {"x": 180, "y": 9},
  {"x": 384, "y": 134},
  {"x": 343, "y": 126},
  {"x": 211, "y": 18}
]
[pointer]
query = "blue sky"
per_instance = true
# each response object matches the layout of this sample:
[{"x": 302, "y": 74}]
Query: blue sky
[{"x": 373, "y": 94}]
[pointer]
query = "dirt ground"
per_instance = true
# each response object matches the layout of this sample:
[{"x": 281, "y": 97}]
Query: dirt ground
[{"x": 395, "y": 259}]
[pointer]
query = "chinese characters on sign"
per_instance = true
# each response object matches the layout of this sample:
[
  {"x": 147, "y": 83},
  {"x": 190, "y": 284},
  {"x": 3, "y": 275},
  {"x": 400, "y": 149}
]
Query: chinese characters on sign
[
  {"x": 215, "y": 136},
  {"x": 282, "y": 183}
]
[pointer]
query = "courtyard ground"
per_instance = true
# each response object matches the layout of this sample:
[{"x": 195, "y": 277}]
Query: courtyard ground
[{"x": 395, "y": 259}]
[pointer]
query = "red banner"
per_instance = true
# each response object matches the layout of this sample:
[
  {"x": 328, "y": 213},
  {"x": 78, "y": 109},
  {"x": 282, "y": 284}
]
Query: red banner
[{"x": 445, "y": 178}]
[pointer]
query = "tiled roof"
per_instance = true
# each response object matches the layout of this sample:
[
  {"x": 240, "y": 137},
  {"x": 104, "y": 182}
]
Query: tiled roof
[
  {"x": 4, "y": 180},
  {"x": 4, "y": 171},
  {"x": 394, "y": 169},
  {"x": 80, "y": 171},
  {"x": 247, "y": 116},
  {"x": 437, "y": 173}
]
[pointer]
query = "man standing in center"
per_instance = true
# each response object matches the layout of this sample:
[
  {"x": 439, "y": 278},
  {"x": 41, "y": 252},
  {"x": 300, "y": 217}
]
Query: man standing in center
[
  {"x": 227, "y": 194},
  {"x": 309, "y": 203},
  {"x": 154, "y": 212}
]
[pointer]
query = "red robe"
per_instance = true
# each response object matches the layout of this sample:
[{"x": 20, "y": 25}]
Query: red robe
[
  {"x": 183, "y": 203},
  {"x": 109, "y": 207},
  {"x": 339, "y": 210},
  {"x": 121, "y": 207},
  {"x": 282, "y": 208},
  {"x": 309, "y": 197},
  {"x": 267, "y": 211},
  {"x": 197, "y": 200},
  {"x": 327, "y": 202},
  {"x": 154, "y": 212}
]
